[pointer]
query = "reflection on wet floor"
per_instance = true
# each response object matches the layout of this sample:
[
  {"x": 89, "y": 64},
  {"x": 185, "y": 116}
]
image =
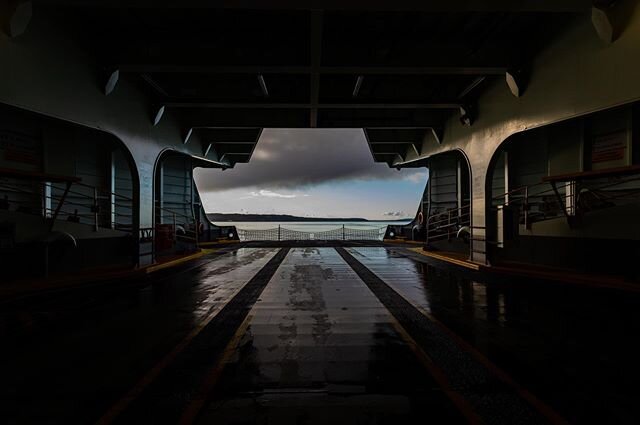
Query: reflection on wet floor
[
  {"x": 321, "y": 344},
  {"x": 79, "y": 352},
  {"x": 571, "y": 346},
  {"x": 321, "y": 348}
]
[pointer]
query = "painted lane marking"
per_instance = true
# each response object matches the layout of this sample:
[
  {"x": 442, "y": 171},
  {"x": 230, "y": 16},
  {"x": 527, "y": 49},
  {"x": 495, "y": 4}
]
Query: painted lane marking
[
  {"x": 211, "y": 379},
  {"x": 437, "y": 374},
  {"x": 116, "y": 409},
  {"x": 551, "y": 415}
]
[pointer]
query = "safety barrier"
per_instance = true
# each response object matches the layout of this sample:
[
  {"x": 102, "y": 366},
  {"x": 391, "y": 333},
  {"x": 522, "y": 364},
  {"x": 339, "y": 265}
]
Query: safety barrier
[
  {"x": 574, "y": 197},
  {"x": 448, "y": 223},
  {"x": 71, "y": 201},
  {"x": 342, "y": 233}
]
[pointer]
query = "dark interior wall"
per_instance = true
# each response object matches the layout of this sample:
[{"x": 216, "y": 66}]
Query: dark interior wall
[
  {"x": 587, "y": 255},
  {"x": 607, "y": 137},
  {"x": 498, "y": 180},
  {"x": 21, "y": 148},
  {"x": 175, "y": 189},
  {"x": 123, "y": 186},
  {"x": 528, "y": 159},
  {"x": 443, "y": 183},
  {"x": 34, "y": 143},
  {"x": 566, "y": 147},
  {"x": 595, "y": 242}
]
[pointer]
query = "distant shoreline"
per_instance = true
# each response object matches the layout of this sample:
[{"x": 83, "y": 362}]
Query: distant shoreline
[{"x": 285, "y": 218}]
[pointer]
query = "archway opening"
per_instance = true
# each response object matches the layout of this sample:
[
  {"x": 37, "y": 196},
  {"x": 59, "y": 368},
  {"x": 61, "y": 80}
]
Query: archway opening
[
  {"x": 311, "y": 175},
  {"x": 68, "y": 196}
]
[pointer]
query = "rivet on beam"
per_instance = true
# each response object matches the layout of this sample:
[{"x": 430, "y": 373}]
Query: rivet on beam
[
  {"x": 187, "y": 135},
  {"x": 15, "y": 15},
  {"x": 516, "y": 81},
  {"x": 111, "y": 81},
  {"x": 158, "y": 115}
]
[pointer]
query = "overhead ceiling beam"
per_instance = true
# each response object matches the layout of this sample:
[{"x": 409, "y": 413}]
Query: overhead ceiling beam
[
  {"x": 216, "y": 105},
  {"x": 355, "y": 70},
  {"x": 475, "y": 83},
  {"x": 316, "y": 56},
  {"x": 154, "y": 85},
  {"x": 382, "y": 121},
  {"x": 358, "y": 5},
  {"x": 392, "y": 142},
  {"x": 243, "y": 118},
  {"x": 234, "y": 142}
]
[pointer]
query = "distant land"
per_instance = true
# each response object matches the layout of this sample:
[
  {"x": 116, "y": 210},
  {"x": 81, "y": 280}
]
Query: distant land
[{"x": 282, "y": 217}]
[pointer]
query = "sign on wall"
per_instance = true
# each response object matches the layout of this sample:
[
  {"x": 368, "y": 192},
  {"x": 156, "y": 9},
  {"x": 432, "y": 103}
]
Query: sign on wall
[
  {"x": 19, "y": 150},
  {"x": 610, "y": 147}
]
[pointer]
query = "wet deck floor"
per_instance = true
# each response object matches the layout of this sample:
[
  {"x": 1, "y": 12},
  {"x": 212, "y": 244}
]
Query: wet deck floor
[{"x": 318, "y": 335}]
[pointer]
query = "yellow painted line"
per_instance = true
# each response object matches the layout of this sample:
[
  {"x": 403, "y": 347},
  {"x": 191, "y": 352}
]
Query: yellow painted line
[
  {"x": 540, "y": 406},
  {"x": 462, "y": 263},
  {"x": 150, "y": 376},
  {"x": 177, "y": 261},
  {"x": 403, "y": 241},
  {"x": 438, "y": 374},
  {"x": 211, "y": 379},
  {"x": 220, "y": 242}
]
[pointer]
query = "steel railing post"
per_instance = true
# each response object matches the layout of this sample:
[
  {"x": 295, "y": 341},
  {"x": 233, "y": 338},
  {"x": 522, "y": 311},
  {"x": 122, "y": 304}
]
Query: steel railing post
[
  {"x": 95, "y": 209},
  {"x": 526, "y": 207},
  {"x": 175, "y": 228}
]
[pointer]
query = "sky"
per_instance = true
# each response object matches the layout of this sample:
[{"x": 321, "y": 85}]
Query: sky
[{"x": 313, "y": 173}]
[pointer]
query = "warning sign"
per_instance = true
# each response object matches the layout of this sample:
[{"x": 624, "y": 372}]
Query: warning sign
[
  {"x": 610, "y": 147},
  {"x": 16, "y": 147}
]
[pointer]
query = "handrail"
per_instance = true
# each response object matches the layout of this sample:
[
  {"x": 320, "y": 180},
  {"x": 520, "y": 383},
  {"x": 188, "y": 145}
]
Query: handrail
[
  {"x": 434, "y": 221},
  {"x": 190, "y": 235},
  {"x": 574, "y": 195},
  {"x": 92, "y": 201}
]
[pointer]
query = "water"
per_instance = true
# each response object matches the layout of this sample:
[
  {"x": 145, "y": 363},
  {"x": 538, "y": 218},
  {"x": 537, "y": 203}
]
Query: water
[{"x": 254, "y": 230}]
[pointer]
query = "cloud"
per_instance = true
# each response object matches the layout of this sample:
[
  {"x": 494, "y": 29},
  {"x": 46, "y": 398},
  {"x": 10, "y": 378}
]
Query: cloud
[
  {"x": 294, "y": 158},
  {"x": 394, "y": 214},
  {"x": 264, "y": 193},
  {"x": 271, "y": 194},
  {"x": 419, "y": 176}
]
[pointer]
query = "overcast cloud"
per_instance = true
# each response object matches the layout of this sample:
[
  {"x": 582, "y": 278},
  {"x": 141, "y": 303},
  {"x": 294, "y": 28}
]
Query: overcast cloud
[
  {"x": 293, "y": 158},
  {"x": 313, "y": 173}
]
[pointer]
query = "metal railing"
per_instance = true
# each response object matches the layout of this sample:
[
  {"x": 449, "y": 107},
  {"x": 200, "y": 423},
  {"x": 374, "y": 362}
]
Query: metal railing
[
  {"x": 447, "y": 223},
  {"x": 537, "y": 202},
  {"x": 174, "y": 227},
  {"x": 342, "y": 233},
  {"x": 74, "y": 202},
  {"x": 542, "y": 201}
]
